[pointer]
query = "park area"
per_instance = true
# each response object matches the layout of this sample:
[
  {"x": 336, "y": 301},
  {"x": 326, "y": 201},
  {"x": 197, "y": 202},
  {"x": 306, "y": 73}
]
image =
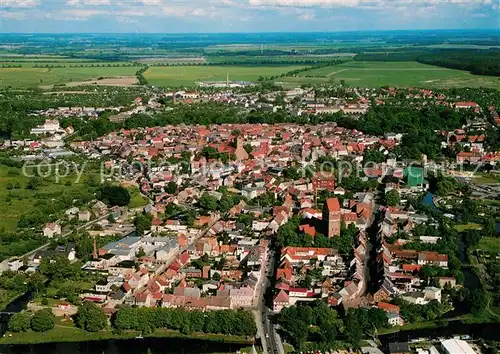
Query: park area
[
  {"x": 189, "y": 75},
  {"x": 22, "y": 195},
  {"x": 397, "y": 74}
]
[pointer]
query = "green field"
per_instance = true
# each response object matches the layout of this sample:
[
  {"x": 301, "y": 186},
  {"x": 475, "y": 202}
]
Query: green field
[
  {"x": 27, "y": 76},
  {"x": 65, "y": 331},
  {"x": 400, "y": 74},
  {"x": 466, "y": 227},
  {"x": 189, "y": 75},
  {"x": 137, "y": 200},
  {"x": 489, "y": 244},
  {"x": 279, "y": 59},
  {"x": 30, "y": 63},
  {"x": 17, "y": 201}
]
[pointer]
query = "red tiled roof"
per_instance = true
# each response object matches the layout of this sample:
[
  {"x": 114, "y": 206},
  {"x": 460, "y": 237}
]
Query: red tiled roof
[
  {"x": 411, "y": 268},
  {"x": 281, "y": 297},
  {"x": 333, "y": 205},
  {"x": 388, "y": 307}
]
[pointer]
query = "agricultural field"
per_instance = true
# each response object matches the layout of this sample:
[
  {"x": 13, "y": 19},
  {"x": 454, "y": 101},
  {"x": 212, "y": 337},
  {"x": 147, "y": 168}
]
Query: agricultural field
[
  {"x": 172, "y": 61},
  {"x": 280, "y": 59},
  {"x": 29, "y": 76},
  {"x": 30, "y": 63},
  {"x": 189, "y": 75},
  {"x": 402, "y": 74}
]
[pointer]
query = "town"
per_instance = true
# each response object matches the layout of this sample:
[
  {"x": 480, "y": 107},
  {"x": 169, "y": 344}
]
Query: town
[{"x": 269, "y": 215}]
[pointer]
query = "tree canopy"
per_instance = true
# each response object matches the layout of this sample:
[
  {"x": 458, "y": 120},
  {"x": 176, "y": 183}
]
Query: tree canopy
[
  {"x": 91, "y": 317},
  {"x": 42, "y": 320},
  {"x": 115, "y": 195}
]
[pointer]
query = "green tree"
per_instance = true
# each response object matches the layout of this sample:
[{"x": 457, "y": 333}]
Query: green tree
[
  {"x": 33, "y": 183},
  {"x": 42, "y": 320},
  {"x": 208, "y": 202},
  {"x": 171, "y": 187},
  {"x": 489, "y": 227},
  {"x": 392, "y": 198},
  {"x": 91, "y": 317},
  {"x": 20, "y": 322},
  {"x": 143, "y": 223},
  {"x": 373, "y": 156},
  {"x": 292, "y": 173},
  {"x": 115, "y": 195},
  {"x": 140, "y": 253}
]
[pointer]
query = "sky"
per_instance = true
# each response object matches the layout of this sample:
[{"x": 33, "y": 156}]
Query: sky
[{"x": 199, "y": 16}]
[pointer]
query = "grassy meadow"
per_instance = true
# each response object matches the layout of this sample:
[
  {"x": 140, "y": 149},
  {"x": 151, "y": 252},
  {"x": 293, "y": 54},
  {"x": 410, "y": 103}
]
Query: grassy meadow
[
  {"x": 189, "y": 75},
  {"x": 400, "y": 74},
  {"x": 30, "y": 76},
  {"x": 16, "y": 201},
  {"x": 489, "y": 244}
]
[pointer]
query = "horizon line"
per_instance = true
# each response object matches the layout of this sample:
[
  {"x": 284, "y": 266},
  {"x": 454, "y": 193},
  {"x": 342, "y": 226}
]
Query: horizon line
[{"x": 495, "y": 31}]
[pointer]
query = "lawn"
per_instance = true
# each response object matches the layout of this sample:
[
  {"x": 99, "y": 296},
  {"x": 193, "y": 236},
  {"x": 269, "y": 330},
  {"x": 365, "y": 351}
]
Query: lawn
[
  {"x": 402, "y": 74},
  {"x": 489, "y": 244},
  {"x": 469, "y": 226},
  {"x": 136, "y": 198},
  {"x": 189, "y": 75},
  {"x": 27, "y": 76},
  {"x": 66, "y": 332}
]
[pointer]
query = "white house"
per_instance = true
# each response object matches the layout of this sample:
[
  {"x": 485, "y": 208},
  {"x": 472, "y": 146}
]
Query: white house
[
  {"x": 15, "y": 264},
  {"x": 84, "y": 215},
  {"x": 52, "y": 229},
  {"x": 394, "y": 319}
]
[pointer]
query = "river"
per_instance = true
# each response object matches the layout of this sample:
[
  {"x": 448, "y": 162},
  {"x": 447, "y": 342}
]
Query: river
[
  {"x": 428, "y": 200},
  {"x": 475, "y": 330},
  {"x": 112, "y": 346},
  {"x": 136, "y": 346}
]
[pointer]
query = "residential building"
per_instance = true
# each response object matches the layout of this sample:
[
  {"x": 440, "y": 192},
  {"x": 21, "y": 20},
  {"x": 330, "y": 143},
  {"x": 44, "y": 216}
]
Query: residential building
[{"x": 52, "y": 229}]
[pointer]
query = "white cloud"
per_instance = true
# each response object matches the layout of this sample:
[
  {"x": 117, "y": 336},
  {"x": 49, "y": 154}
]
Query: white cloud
[
  {"x": 73, "y": 14},
  {"x": 88, "y": 2},
  {"x": 19, "y": 3},
  {"x": 362, "y": 3},
  {"x": 150, "y": 2},
  {"x": 306, "y": 16},
  {"x": 304, "y": 3},
  {"x": 185, "y": 11},
  {"x": 125, "y": 20},
  {"x": 12, "y": 15}
]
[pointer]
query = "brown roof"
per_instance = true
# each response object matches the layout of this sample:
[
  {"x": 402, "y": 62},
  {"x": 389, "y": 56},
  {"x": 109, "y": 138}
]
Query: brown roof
[
  {"x": 333, "y": 205},
  {"x": 281, "y": 297}
]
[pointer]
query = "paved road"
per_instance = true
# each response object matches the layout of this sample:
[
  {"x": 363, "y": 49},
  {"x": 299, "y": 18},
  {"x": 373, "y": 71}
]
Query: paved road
[
  {"x": 4, "y": 266},
  {"x": 259, "y": 305},
  {"x": 271, "y": 342}
]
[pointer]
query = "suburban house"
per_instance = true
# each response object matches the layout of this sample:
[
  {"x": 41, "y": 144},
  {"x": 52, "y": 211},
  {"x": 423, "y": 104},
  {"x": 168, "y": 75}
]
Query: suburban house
[{"x": 52, "y": 229}]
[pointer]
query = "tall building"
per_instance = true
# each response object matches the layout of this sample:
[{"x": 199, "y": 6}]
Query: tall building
[
  {"x": 331, "y": 215},
  {"x": 240, "y": 151}
]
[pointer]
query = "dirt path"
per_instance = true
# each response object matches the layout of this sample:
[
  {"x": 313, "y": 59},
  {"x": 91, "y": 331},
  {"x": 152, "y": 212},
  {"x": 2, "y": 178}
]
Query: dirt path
[{"x": 336, "y": 72}]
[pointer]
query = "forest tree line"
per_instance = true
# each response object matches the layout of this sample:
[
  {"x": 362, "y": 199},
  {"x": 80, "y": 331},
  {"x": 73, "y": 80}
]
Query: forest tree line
[{"x": 477, "y": 62}]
